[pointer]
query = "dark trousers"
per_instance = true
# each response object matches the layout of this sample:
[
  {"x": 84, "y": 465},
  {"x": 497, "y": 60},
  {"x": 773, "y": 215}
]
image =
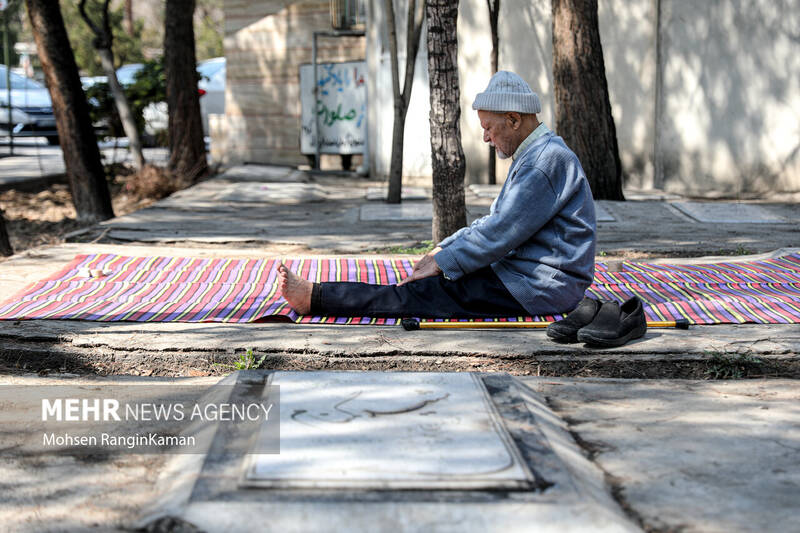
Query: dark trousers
[{"x": 476, "y": 295}]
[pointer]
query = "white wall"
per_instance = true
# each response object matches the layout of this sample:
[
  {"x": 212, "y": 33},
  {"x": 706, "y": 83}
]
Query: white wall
[
  {"x": 725, "y": 119},
  {"x": 730, "y": 101},
  {"x": 416, "y": 141}
]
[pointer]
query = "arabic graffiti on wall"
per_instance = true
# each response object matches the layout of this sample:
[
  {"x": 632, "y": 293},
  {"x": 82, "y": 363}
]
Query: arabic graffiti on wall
[{"x": 339, "y": 107}]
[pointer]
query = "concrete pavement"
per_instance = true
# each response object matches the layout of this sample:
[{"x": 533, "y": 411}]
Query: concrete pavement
[
  {"x": 262, "y": 211},
  {"x": 675, "y": 455}
]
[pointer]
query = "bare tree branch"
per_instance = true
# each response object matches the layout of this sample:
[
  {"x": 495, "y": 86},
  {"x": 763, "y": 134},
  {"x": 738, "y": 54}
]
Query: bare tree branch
[
  {"x": 85, "y": 16},
  {"x": 415, "y": 18},
  {"x": 390, "y": 22},
  {"x": 103, "y": 43}
]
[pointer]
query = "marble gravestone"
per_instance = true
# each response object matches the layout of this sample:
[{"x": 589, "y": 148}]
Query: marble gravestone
[
  {"x": 396, "y": 430},
  {"x": 389, "y": 451}
]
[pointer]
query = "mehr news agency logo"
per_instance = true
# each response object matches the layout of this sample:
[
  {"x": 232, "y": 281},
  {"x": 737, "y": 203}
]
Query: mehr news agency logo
[{"x": 109, "y": 410}]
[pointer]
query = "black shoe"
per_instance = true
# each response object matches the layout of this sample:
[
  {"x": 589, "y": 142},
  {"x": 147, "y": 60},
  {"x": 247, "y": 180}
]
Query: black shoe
[
  {"x": 566, "y": 330},
  {"x": 614, "y": 325}
]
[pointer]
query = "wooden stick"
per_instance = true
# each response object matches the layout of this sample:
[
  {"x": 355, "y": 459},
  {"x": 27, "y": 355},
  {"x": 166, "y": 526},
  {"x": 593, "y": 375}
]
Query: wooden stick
[{"x": 411, "y": 324}]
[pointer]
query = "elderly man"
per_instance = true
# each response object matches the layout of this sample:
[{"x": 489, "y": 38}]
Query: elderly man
[{"x": 533, "y": 254}]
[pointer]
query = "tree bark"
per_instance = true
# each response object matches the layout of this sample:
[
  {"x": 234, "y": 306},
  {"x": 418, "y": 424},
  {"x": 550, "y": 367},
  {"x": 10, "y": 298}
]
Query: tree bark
[
  {"x": 129, "y": 17},
  {"x": 103, "y": 43},
  {"x": 5, "y": 244},
  {"x": 583, "y": 109},
  {"x": 447, "y": 155},
  {"x": 187, "y": 146},
  {"x": 494, "y": 14},
  {"x": 84, "y": 168},
  {"x": 402, "y": 99}
]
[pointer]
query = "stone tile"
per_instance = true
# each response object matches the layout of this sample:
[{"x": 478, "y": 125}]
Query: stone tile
[{"x": 727, "y": 212}]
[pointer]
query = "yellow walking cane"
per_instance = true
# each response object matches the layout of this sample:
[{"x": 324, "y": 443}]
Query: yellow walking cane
[{"x": 412, "y": 324}]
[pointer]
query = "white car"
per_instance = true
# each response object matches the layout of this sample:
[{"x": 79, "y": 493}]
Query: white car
[
  {"x": 31, "y": 108},
  {"x": 211, "y": 88}
]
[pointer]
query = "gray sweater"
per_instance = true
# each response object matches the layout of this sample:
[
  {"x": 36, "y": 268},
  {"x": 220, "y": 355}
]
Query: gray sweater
[{"x": 539, "y": 235}]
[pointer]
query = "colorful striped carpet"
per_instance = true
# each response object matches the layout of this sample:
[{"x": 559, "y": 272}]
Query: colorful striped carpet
[{"x": 106, "y": 287}]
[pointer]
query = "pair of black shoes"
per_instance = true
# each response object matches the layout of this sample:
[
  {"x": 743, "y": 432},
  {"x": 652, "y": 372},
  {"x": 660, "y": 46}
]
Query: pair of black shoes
[{"x": 605, "y": 324}]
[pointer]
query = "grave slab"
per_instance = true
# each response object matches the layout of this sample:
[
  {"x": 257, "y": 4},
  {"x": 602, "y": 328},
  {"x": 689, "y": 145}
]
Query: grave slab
[
  {"x": 727, "y": 213},
  {"x": 644, "y": 195},
  {"x": 263, "y": 173},
  {"x": 485, "y": 191},
  {"x": 346, "y": 434},
  {"x": 601, "y": 213},
  {"x": 561, "y": 490},
  {"x": 271, "y": 193},
  {"x": 408, "y": 211},
  {"x": 491, "y": 191},
  {"x": 406, "y": 193}
]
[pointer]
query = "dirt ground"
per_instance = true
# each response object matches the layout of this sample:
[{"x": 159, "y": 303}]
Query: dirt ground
[{"x": 46, "y": 216}]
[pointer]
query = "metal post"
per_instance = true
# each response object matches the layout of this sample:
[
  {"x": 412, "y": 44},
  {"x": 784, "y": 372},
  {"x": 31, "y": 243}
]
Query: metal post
[
  {"x": 8, "y": 80},
  {"x": 316, "y": 96}
]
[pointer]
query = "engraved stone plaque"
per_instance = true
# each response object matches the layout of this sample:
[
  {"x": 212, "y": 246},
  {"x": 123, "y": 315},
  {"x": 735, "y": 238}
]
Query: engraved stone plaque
[{"x": 402, "y": 430}]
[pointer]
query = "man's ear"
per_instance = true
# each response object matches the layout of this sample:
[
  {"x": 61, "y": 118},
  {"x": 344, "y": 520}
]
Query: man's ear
[{"x": 514, "y": 119}]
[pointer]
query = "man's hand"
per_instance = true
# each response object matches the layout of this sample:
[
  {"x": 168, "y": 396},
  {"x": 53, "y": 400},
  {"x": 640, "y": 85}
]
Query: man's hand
[{"x": 424, "y": 268}]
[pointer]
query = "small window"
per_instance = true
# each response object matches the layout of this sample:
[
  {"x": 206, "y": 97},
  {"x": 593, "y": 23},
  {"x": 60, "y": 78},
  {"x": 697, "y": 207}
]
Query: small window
[{"x": 348, "y": 14}]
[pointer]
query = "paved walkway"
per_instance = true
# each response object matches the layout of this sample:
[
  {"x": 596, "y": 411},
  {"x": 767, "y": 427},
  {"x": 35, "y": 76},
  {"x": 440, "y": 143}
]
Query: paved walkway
[
  {"x": 678, "y": 455},
  {"x": 331, "y": 214},
  {"x": 258, "y": 211}
]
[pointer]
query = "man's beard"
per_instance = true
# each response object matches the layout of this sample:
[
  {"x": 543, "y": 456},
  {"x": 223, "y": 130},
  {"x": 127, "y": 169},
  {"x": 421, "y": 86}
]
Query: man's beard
[{"x": 500, "y": 154}]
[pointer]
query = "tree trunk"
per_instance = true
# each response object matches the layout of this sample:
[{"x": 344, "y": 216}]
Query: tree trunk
[
  {"x": 123, "y": 108},
  {"x": 401, "y": 99},
  {"x": 187, "y": 147},
  {"x": 494, "y": 14},
  {"x": 5, "y": 244},
  {"x": 84, "y": 168},
  {"x": 583, "y": 110},
  {"x": 103, "y": 43},
  {"x": 447, "y": 155},
  {"x": 395, "y": 194},
  {"x": 129, "y": 17}
]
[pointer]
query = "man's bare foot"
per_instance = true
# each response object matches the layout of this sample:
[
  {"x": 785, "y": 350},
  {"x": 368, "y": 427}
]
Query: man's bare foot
[{"x": 295, "y": 290}]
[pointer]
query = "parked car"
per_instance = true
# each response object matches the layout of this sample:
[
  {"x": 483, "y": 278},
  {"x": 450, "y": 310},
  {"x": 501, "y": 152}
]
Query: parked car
[
  {"x": 91, "y": 81},
  {"x": 126, "y": 74},
  {"x": 211, "y": 87},
  {"x": 31, "y": 108}
]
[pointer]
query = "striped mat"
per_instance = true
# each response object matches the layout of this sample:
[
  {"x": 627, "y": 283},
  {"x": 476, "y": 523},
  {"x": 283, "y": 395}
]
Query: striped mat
[{"x": 107, "y": 287}]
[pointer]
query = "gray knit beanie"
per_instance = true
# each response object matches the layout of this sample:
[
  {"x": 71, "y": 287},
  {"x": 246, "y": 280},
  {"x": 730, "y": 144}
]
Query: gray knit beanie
[{"x": 508, "y": 92}]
